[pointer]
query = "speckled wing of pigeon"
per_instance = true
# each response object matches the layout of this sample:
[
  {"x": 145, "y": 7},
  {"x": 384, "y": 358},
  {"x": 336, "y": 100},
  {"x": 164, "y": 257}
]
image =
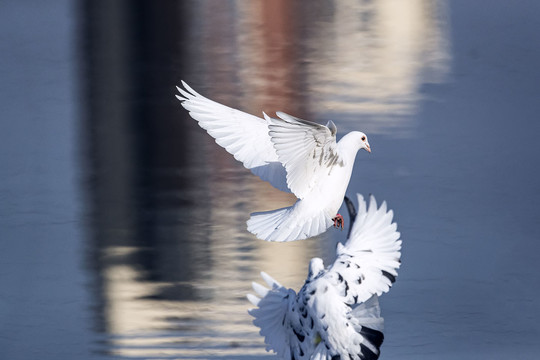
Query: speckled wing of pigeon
[
  {"x": 243, "y": 135},
  {"x": 370, "y": 257},
  {"x": 307, "y": 150},
  {"x": 336, "y": 313}
]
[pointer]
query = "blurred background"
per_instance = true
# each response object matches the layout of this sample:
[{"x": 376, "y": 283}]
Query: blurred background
[{"x": 122, "y": 224}]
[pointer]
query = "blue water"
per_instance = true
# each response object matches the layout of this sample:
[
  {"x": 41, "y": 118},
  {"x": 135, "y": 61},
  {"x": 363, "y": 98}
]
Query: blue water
[{"x": 122, "y": 224}]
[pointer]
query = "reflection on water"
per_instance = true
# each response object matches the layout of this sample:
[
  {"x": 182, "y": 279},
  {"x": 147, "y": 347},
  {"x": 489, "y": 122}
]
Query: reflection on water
[
  {"x": 367, "y": 60},
  {"x": 360, "y": 62},
  {"x": 170, "y": 252}
]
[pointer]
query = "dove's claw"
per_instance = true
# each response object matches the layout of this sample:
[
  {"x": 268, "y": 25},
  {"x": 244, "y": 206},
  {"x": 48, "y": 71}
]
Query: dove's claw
[{"x": 338, "y": 221}]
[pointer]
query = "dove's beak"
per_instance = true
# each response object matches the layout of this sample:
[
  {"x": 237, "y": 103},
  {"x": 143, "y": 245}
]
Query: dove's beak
[{"x": 368, "y": 148}]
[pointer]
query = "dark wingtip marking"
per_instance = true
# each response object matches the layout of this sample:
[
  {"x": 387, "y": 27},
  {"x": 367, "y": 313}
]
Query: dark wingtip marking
[
  {"x": 351, "y": 208},
  {"x": 352, "y": 214},
  {"x": 375, "y": 337},
  {"x": 390, "y": 277},
  {"x": 367, "y": 354}
]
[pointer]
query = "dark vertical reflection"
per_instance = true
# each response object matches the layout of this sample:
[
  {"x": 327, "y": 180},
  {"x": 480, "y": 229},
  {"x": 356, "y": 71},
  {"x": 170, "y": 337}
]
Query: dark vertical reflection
[{"x": 137, "y": 150}]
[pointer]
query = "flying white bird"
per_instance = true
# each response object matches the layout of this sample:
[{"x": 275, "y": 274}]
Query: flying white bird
[
  {"x": 293, "y": 155},
  {"x": 336, "y": 314}
]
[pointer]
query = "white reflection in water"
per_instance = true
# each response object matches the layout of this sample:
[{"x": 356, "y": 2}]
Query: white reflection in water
[
  {"x": 216, "y": 322},
  {"x": 369, "y": 61}
]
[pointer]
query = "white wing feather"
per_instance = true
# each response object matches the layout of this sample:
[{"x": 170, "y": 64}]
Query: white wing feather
[
  {"x": 243, "y": 135},
  {"x": 306, "y": 149},
  {"x": 367, "y": 264}
]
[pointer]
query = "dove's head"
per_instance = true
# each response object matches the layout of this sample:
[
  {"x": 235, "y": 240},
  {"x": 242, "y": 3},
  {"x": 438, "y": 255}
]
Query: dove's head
[
  {"x": 352, "y": 142},
  {"x": 364, "y": 144},
  {"x": 360, "y": 140}
]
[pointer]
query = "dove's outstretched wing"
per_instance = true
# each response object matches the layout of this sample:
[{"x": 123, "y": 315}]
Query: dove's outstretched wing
[{"x": 243, "y": 135}]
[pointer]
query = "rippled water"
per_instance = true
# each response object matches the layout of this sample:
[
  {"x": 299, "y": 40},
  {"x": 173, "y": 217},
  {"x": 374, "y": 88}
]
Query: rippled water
[{"x": 123, "y": 224}]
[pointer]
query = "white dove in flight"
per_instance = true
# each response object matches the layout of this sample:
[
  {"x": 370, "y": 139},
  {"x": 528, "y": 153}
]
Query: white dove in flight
[
  {"x": 336, "y": 314},
  {"x": 293, "y": 155}
]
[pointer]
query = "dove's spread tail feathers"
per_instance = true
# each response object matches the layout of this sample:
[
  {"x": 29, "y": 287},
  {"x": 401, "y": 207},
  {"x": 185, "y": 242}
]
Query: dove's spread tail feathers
[{"x": 287, "y": 224}]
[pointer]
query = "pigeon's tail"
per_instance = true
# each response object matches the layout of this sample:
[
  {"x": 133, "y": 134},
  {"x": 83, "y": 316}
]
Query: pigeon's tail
[
  {"x": 286, "y": 224},
  {"x": 369, "y": 323},
  {"x": 368, "y": 314}
]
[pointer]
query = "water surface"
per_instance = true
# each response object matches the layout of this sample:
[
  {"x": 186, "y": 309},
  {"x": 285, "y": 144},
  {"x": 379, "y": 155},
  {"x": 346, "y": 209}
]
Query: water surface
[{"x": 123, "y": 223}]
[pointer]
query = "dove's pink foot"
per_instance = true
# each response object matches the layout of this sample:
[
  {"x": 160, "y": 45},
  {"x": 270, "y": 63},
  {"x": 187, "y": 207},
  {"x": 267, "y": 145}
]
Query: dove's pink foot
[{"x": 338, "y": 221}]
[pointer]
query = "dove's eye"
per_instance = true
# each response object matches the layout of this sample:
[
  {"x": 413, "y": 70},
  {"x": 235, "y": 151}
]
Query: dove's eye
[{"x": 363, "y": 138}]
